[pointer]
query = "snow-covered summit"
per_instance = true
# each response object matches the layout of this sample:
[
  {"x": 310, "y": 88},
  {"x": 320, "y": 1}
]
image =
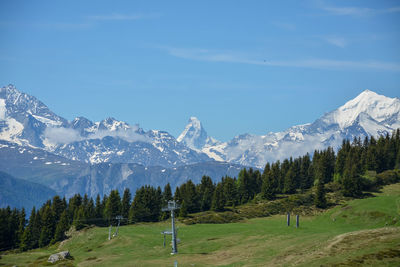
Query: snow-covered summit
[
  {"x": 195, "y": 137},
  {"x": 367, "y": 114},
  {"x": 378, "y": 107},
  {"x": 21, "y": 105},
  {"x": 25, "y": 120}
]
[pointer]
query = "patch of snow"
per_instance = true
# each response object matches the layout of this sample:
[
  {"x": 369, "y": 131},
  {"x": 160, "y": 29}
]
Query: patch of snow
[
  {"x": 12, "y": 131},
  {"x": 47, "y": 121},
  {"x": 2, "y": 109},
  {"x": 125, "y": 172}
]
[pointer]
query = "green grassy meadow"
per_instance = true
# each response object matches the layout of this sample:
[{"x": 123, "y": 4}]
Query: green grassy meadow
[{"x": 361, "y": 232}]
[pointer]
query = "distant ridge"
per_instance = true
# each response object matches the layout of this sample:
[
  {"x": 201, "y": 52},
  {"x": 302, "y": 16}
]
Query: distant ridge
[{"x": 369, "y": 114}]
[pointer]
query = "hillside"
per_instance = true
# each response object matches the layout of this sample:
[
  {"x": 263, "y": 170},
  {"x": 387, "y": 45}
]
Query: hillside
[
  {"x": 357, "y": 232},
  {"x": 19, "y": 193}
]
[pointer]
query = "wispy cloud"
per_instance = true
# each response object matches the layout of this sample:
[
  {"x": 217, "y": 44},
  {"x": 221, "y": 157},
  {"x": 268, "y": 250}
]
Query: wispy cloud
[
  {"x": 285, "y": 26},
  {"x": 232, "y": 57},
  {"x": 119, "y": 16},
  {"x": 61, "y": 135},
  {"x": 336, "y": 41},
  {"x": 359, "y": 11},
  {"x": 63, "y": 26}
]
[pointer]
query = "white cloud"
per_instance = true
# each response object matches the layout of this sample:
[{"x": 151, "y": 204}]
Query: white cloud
[
  {"x": 129, "y": 135},
  {"x": 337, "y": 41},
  {"x": 61, "y": 135},
  {"x": 119, "y": 16},
  {"x": 285, "y": 26},
  {"x": 232, "y": 57},
  {"x": 359, "y": 11}
]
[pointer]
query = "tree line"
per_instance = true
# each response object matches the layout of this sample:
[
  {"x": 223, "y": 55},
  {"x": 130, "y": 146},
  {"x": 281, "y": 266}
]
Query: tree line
[{"x": 348, "y": 170}]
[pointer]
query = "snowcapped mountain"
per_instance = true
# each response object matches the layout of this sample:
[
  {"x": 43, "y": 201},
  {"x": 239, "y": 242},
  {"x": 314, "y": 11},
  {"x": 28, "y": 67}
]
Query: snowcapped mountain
[
  {"x": 26, "y": 121},
  {"x": 23, "y": 118},
  {"x": 369, "y": 114},
  {"x": 195, "y": 137}
]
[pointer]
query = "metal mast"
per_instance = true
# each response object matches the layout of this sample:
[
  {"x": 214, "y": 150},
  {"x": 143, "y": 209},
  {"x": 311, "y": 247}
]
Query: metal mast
[{"x": 172, "y": 206}]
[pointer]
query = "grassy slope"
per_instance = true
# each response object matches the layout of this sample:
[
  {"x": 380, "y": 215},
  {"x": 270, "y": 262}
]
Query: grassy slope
[{"x": 360, "y": 232}]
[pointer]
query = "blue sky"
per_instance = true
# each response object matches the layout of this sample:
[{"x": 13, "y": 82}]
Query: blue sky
[{"x": 239, "y": 66}]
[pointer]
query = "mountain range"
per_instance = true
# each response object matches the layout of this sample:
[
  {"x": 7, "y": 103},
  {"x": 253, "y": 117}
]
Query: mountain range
[
  {"x": 81, "y": 156},
  {"x": 369, "y": 114}
]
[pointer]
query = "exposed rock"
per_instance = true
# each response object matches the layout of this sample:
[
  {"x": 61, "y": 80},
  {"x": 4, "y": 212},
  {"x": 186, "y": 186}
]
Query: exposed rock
[{"x": 59, "y": 256}]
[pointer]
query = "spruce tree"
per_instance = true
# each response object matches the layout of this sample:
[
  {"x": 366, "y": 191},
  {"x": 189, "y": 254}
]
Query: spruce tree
[
  {"x": 48, "y": 226},
  {"x": 244, "y": 187},
  {"x": 319, "y": 198},
  {"x": 267, "y": 188},
  {"x": 27, "y": 236},
  {"x": 167, "y": 194},
  {"x": 205, "y": 192},
  {"x": 230, "y": 191},
  {"x": 218, "y": 201},
  {"x": 99, "y": 210},
  {"x": 126, "y": 203},
  {"x": 79, "y": 218},
  {"x": 113, "y": 206},
  {"x": 183, "y": 210},
  {"x": 289, "y": 182},
  {"x": 57, "y": 207},
  {"x": 21, "y": 225},
  {"x": 61, "y": 228}
]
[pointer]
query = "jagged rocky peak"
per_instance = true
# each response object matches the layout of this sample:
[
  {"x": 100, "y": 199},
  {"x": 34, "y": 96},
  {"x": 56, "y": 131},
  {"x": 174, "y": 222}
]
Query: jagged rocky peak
[
  {"x": 113, "y": 125},
  {"x": 20, "y": 104},
  {"x": 81, "y": 122},
  {"x": 194, "y": 136}
]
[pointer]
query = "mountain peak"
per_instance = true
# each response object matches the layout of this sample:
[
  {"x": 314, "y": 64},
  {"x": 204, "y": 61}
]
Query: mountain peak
[
  {"x": 378, "y": 107},
  {"x": 194, "y": 135}
]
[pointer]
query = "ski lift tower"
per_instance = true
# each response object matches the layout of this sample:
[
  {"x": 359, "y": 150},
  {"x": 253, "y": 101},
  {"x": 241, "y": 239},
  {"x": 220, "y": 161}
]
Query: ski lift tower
[{"x": 172, "y": 206}]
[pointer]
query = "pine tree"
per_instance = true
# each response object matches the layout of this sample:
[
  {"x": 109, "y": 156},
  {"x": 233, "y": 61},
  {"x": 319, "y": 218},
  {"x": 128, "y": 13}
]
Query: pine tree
[
  {"x": 218, "y": 201},
  {"x": 320, "y": 199},
  {"x": 146, "y": 205},
  {"x": 79, "y": 218},
  {"x": 113, "y": 206},
  {"x": 267, "y": 188},
  {"x": 178, "y": 195},
  {"x": 57, "y": 207},
  {"x": 205, "y": 192},
  {"x": 230, "y": 191},
  {"x": 306, "y": 180},
  {"x": 99, "y": 211},
  {"x": 352, "y": 185},
  {"x": 61, "y": 228},
  {"x": 289, "y": 183},
  {"x": 27, "y": 236},
  {"x": 276, "y": 177},
  {"x": 126, "y": 203},
  {"x": 183, "y": 210},
  {"x": 21, "y": 226},
  {"x": 167, "y": 194},
  {"x": 48, "y": 226},
  {"x": 189, "y": 194},
  {"x": 244, "y": 187}
]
